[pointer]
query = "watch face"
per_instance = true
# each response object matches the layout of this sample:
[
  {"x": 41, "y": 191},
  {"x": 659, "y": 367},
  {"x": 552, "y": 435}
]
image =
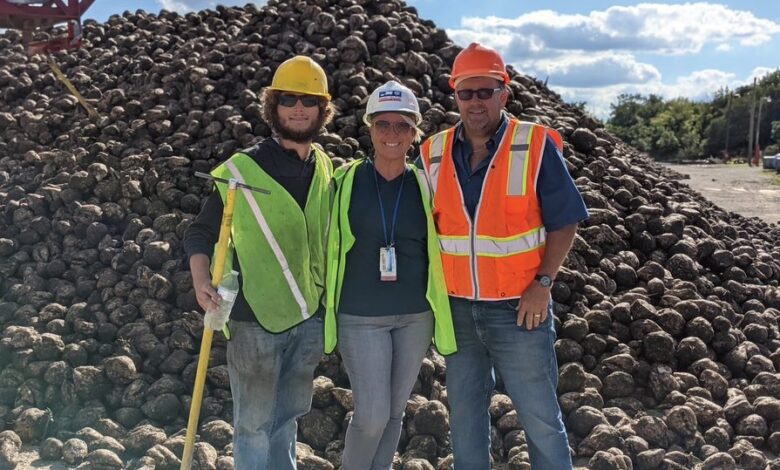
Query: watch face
[{"x": 545, "y": 281}]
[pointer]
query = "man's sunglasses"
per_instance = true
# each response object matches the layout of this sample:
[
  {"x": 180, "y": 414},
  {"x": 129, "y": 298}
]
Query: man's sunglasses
[
  {"x": 399, "y": 127},
  {"x": 288, "y": 101},
  {"x": 482, "y": 93}
]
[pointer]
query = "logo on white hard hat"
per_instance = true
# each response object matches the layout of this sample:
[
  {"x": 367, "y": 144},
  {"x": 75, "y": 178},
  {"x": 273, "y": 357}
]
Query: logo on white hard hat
[{"x": 390, "y": 95}]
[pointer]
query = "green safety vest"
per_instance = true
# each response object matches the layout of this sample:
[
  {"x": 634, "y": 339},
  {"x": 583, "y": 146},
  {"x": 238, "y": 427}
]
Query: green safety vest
[
  {"x": 340, "y": 241},
  {"x": 281, "y": 248}
]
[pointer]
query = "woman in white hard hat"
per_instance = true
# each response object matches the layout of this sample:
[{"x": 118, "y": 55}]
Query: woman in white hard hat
[{"x": 385, "y": 285}]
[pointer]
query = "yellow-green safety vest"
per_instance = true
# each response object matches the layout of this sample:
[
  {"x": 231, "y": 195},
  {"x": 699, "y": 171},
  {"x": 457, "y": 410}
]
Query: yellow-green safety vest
[
  {"x": 341, "y": 240},
  {"x": 281, "y": 248}
]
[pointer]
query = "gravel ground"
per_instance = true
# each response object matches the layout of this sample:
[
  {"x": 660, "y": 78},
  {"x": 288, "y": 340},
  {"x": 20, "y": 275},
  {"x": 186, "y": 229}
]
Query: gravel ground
[{"x": 748, "y": 191}]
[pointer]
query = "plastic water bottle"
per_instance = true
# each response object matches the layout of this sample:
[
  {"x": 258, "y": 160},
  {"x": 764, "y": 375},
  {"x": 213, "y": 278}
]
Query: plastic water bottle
[{"x": 216, "y": 319}]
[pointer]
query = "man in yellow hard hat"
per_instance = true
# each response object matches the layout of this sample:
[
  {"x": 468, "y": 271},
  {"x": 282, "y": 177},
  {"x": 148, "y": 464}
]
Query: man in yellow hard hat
[
  {"x": 506, "y": 213},
  {"x": 275, "y": 330}
]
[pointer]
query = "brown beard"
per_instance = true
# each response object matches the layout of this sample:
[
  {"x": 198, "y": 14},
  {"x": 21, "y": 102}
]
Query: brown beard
[
  {"x": 301, "y": 137},
  {"x": 271, "y": 117}
]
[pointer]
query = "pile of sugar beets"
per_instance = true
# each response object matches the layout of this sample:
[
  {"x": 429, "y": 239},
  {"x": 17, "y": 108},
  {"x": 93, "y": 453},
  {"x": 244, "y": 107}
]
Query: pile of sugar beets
[{"x": 667, "y": 308}]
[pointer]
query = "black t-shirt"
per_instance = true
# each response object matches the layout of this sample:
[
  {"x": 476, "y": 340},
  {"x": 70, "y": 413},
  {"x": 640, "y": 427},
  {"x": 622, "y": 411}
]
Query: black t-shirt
[
  {"x": 363, "y": 293},
  {"x": 287, "y": 169}
]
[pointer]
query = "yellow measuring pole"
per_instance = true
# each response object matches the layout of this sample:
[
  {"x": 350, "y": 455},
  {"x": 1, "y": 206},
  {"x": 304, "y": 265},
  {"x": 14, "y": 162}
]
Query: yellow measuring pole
[
  {"x": 208, "y": 333},
  {"x": 62, "y": 78}
]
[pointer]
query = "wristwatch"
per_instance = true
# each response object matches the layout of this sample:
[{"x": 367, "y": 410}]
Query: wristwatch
[{"x": 545, "y": 280}]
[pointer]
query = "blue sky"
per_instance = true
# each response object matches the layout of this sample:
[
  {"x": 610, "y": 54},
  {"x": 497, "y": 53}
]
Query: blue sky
[{"x": 592, "y": 51}]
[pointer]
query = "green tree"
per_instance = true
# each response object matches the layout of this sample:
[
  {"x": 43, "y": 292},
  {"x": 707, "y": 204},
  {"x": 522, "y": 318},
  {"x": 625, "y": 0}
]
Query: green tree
[
  {"x": 624, "y": 116},
  {"x": 679, "y": 130},
  {"x": 630, "y": 116},
  {"x": 682, "y": 129}
]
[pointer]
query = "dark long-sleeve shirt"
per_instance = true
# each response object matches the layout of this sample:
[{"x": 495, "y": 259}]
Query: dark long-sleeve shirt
[{"x": 287, "y": 169}]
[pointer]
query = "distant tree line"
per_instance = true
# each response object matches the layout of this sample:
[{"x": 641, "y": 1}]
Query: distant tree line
[{"x": 681, "y": 129}]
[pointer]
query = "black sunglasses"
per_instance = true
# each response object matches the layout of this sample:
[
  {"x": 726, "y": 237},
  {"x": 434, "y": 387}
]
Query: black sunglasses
[
  {"x": 482, "y": 93},
  {"x": 288, "y": 101},
  {"x": 399, "y": 127}
]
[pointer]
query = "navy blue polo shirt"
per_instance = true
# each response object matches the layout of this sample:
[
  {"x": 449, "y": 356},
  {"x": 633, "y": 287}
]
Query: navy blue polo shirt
[{"x": 559, "y": 198}]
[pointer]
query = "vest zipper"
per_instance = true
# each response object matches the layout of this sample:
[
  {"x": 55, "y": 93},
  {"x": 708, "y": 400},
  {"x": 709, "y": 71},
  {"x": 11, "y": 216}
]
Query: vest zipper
[
  {"x": 474, "y": 276},
  {"x": 473, "y": 236},
  {"x": 474, "y": 280}
]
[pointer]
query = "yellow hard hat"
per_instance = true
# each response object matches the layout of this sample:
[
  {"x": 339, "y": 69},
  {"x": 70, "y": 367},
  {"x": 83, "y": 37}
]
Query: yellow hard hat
[{"x": 301, "y": 75}]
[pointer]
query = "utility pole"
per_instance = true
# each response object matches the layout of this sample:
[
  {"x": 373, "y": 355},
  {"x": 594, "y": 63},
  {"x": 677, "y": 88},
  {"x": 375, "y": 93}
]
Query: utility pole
[
  {"x": 728, "y": 108},
  {"x": 750, "y": 127},
  {"x": 764, "y": 99}
]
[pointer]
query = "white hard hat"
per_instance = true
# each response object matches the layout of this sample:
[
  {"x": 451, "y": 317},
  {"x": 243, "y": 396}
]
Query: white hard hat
[{"x": 392, "y": 97}]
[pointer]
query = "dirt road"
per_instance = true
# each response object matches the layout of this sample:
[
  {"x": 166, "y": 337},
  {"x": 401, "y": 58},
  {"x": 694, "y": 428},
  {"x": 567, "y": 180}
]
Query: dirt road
[{"x": 742, "y": 189}]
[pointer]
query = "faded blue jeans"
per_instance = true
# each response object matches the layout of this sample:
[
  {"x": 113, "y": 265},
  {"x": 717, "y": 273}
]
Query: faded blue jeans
[
  {"x": 382, "y": 356},
  {"x": 271, "y": 383},
  {"x": 489, "y": 338}
]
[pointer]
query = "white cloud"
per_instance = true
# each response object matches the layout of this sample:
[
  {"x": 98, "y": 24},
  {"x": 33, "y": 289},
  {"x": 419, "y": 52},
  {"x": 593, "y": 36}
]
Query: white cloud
[
  {"x": 668, "y": 29},
  {"x": 698, "y": 85},
  {"x": 592, "y": 70},
  {"x": 498, "y": 40},
  {"x": 175, "y": 5},
  {"x": 185, "y": 6}
]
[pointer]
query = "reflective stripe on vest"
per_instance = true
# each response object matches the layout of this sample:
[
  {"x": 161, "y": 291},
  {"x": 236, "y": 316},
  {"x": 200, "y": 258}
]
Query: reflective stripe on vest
[
  {"x": 437, "y": 148},
  {"x": 518, "y": 161},
  {"x": 493, "y": 246},
  {"x": 425, "y": 186},
  {"x": 277, "y": 250}
]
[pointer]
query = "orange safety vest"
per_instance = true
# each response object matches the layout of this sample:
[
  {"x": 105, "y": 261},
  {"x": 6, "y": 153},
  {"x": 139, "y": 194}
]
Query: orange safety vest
[{"x": 497, "y": 256}]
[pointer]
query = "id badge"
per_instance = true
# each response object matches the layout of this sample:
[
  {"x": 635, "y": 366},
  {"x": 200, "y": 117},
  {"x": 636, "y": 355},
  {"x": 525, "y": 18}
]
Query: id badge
[{"x": 387, "y": 267}]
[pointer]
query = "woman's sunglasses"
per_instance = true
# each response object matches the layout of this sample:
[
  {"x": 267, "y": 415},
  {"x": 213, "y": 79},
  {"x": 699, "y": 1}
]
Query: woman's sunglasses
[
  {"x": 482, "y": 93},
  {"x": 399, "y": 127},
  {"x": 288, "y": 101}
]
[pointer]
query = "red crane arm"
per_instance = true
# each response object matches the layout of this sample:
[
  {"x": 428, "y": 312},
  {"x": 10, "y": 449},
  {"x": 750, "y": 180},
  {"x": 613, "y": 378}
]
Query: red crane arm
[
  {"x": 31, "y": 15},
  {"x": 41, "y": 14}
]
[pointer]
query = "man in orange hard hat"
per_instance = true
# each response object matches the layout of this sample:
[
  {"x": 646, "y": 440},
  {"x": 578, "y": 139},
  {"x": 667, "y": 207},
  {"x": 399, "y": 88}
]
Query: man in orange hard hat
[{"x": 506, "y": 211}]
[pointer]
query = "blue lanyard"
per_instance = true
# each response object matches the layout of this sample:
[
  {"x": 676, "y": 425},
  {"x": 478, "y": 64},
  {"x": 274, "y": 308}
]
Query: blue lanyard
[{"x": 391, "y": 241}]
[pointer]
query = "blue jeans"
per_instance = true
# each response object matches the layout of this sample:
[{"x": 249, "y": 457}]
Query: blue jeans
[
  {"x": 271, "y": 383},
  {"x": 489, "y": 338},
  {"x": 382, "y": 356}
]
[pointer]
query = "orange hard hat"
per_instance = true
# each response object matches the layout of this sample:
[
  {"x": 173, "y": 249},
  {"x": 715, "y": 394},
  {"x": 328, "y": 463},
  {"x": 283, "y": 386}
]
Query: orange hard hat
[{"x": 478, "y": 61}]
